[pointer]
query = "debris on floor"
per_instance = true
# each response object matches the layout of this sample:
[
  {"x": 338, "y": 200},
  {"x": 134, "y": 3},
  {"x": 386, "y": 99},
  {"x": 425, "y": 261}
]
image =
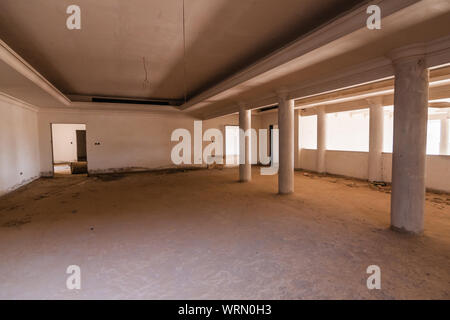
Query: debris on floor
[
  {"x": 78, "y": 167},
  {"x": 17, "y": 222}
]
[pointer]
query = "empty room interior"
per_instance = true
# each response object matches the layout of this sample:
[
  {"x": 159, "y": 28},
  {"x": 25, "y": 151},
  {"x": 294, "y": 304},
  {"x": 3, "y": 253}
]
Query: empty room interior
[{"x": 216, "y": 149}]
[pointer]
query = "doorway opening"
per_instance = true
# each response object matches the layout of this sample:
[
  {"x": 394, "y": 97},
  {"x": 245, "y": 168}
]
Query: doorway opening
[
  {"x": 271, "y": 128},
  {"x": 69, "y": 149},
  {"x": 232, "y": 145}
]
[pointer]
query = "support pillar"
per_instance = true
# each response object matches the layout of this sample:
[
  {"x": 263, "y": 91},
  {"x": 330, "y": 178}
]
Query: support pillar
[
  {"x": 376, "y": 129},
  {"x": 321, "y": 138},
  {"x": 443, "y": 144},
  {"x": 286, "y": 145},
  {"x": 410, "y": 137},
  {"x": 245, "y": 167},
  {"x": 296, "y": 138}
]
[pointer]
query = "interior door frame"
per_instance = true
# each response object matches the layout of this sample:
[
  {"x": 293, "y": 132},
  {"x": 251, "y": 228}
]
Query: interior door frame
[
  {"x": 78, "y": 145},
  {"x": 52, "y": 147}
]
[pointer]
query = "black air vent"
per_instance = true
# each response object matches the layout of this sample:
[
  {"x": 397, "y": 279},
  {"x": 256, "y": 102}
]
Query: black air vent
[
  {"x": 268, "y": 108},
  {"x": 132, "y": 101}
]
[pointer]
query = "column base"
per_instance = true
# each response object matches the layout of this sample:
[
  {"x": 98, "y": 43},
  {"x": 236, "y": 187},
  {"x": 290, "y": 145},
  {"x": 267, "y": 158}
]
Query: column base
[
  {"x": 404, "y": 231},
  {"x": 283, "y": 193}
]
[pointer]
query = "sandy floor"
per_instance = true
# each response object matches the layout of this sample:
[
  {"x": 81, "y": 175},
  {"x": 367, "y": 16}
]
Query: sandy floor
[{"x": 201, "y": 234}]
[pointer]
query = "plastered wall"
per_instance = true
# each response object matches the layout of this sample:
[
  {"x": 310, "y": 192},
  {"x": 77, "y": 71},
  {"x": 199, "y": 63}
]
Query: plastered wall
[
  {"x": 355, "y": 164},
  {"x": 437, "y": 175},
  {"x": 117, "y": 141},
  {"x": 132, "y": 141},
  {"x": 348, "y": 163},
  {"x": 19, "y": 152}
]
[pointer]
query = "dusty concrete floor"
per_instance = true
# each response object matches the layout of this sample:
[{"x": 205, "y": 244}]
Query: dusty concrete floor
[{"x": 201, "y": 234}]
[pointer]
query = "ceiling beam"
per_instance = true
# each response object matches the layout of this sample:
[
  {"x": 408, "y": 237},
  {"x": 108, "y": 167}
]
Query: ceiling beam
[
  {"x": 438, "y": 77},
  {"x": 435, "y": 93},
  {"x": 340, "y": 27}
]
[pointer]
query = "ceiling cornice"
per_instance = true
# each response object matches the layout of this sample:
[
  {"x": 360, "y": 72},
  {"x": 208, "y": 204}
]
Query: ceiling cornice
[
  {"x": 15, "y": 101},
  {"x": 11, "y": 58}
]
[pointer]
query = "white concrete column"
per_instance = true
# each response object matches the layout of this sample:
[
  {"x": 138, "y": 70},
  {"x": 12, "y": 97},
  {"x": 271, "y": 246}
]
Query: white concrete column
[
  {"x": 410, "y": 137},
  {"x": 443, "y": 144},
  {"x": 321, "y": 138},
  {"x": 376, "y": 129},
  {"x": 245, "y": 167},
  {"x": 286, "y": 145},
  {"x": 296, "y": 138}
]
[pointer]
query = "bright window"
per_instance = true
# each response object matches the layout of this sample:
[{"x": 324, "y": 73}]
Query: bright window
[
  {"x": 348, "y": 131},
  {"x": 388, "y": 129},
  {"x": 308, "y": 132},
  {"x": 433, "y": 130},
  {"x": 232, "y": 144},
  {"x": 433, "y": 136}
]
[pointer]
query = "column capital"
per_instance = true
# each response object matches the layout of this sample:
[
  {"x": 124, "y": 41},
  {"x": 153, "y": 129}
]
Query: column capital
[
  {"x": 242, "y": 106},
  {"x": 320, "y": 109},
  {"x": 408, "y": 53},
  {"x": 375, "y": 101},
  {"x": 282, "y": 93}
]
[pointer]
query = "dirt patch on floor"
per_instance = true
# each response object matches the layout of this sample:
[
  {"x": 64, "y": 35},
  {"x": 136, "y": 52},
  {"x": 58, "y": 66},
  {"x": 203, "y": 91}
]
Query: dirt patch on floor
[
  {"x": 16, "y": 222},
  {"x": 110, "y": 177},
  {"x": 439, "y": 199}
]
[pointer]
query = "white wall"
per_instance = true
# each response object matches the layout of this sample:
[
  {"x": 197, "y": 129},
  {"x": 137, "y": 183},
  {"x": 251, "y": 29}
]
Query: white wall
[
  {"x": 308, "y": 159},
  {"x": 19, "y": 153},
  {"x": 129, "y": 141},
  {"x": 65, "y": 142},
  {"x": 355, "y": 164},
  {"x": 437, "y": 175},
  {"x": 437, "y": 172},
  {"x": 347, "y": 163}
]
